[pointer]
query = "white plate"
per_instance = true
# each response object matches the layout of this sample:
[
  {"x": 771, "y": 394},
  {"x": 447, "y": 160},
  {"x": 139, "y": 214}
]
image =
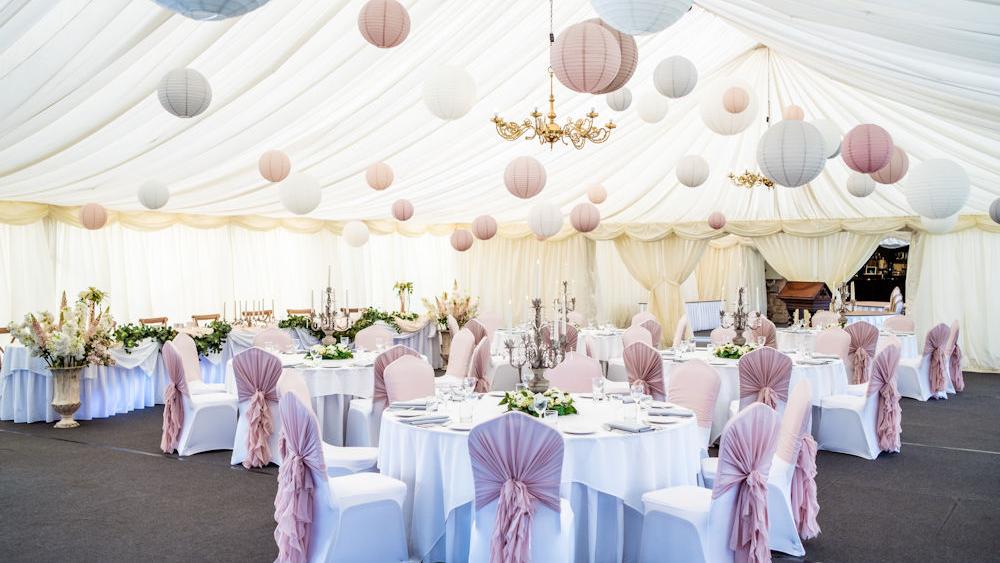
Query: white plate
[
  {"x": 461, "y": 426},
  {"x": 652, "y": 419},
  {"x": 578, "y": 429},
  {"x": 495, "y": 394},
  {"x": 407, "y": 413},
  {"x": 585, "y": 395}
]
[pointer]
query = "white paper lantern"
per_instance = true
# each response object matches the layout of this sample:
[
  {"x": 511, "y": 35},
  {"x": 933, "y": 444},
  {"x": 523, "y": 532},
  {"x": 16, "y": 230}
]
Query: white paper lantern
[
  {"x": 995, "y": 210},
  {"x": 620, "y": 99},
  {"x": 937, "y": 188},
  {"x": 791, "y": 153},
  {"x": 714, "y": 113},
  {"x": 939, "y": 226},
  {"x": 860, "y": 185},
  {"x": 449, "y": 92},
  {"x": 831, "y": 136},
  {"x": 692, "y": 170},
  {"x": 651, "y": 107},
  {"x": 184, "y": 92},
  {"x": 356, "y": 233},
  {"x": 153, "y": 194},
  {"x": 545, "y": 219},
  {"x": 300, "y": 193},
  {"x": 207, "y": 10},
  {"x": 675, "y": 77},
  {"x": 641, "y": 17}
]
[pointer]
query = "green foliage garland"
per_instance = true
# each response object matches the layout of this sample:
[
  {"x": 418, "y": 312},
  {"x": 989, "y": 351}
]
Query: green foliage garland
[{"x": 130, "y": 335}]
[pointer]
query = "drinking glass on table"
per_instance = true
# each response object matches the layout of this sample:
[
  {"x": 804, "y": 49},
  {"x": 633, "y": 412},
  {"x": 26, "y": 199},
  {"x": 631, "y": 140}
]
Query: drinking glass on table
[
  {"x": 616, "y": 407},
  {"x": 761, "y": 340},
  {"x": 637, "y": 390},
  {"x": 468, "y": 386},
  {"x": 597, "y": 388},
  {"x": 465, "y": 410},
  {"x": 692, "y": 345},
  {"x": 551, "y": 418},
  {"x": 540, "y": 403},
  {"x": 526, "y": 377}
]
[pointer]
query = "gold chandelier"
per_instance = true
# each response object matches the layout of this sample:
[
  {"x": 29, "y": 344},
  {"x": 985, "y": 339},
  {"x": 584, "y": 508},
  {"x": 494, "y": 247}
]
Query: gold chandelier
[{"x": 749, "y": 179}]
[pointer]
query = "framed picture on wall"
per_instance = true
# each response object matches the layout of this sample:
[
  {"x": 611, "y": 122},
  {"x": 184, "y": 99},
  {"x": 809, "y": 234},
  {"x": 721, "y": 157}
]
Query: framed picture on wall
[{"x": 871, "y": 270}]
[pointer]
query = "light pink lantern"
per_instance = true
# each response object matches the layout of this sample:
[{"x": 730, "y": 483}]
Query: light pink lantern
[
  {"x": 866, "y": 148},
  {"x": 384, "y": 23},
  {"x": 524, "y": 177},
  {"x": 484, "y": 227},
  {"x": 735, "y": 99},
  {"x": 541, "y": 238},
  {"x": 585, "y": 57},
  {"x": 402, "y": 209},
  {"x": 793, "y": 112},
  {"x": 379, "y": 176},
  {"x": 716, "y": 220},
  {"x": 894, "y": 171},
  {"x": 93, "y": 216},
  {"x": 461, "y": 240},
  {"x": 585, "y": 217},
  {"x": 630, "y": 56},
  {"x": 274, "y": 165},
  {"x": 596, "y": 193}
]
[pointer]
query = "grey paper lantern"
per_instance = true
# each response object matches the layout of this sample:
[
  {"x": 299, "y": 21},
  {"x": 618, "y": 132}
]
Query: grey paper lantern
[
  {"x": 207, "y": 10},
  {"x": 937, "y": 188},
  {"x": 831, "y": 136},
  {"x": 692, "y": 170},
  {"x": 300, "y": 193},
  {"x": 860, "y": 185},
  {"x": 641, "y": 17},
  {"x": 620, "y": 99},
  {"x": 449, "y": 92},
  {"x": 995, "y": 210},
  {"x": 184, "y": 92},
  {"x": 153, "y": 194},
  {"x": 545, "y": 219},
  {"x": 675, "y": 77},
  {"x": 791, "y": 153}
]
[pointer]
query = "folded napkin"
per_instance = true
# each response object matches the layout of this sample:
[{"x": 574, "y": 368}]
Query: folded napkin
[
  {"x": 808, "y": 362},
  {"x": 787, "y": 350},
  {"x": 830, "y": 356},
  {"x": 411, "y": 404},
  {"x": 632, "y": 427},
  {"x": 671, "y": 412},
  {"x": 427, "y": 419}
]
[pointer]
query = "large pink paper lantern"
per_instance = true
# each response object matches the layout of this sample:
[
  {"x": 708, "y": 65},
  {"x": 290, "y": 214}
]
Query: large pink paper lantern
[
  {"x": 274, "y": 165},
  {"x": 484, "y": 227},
  {"x": 524, "y": 177},
  {"x": 793, "y": 113},
  {"x": 735, "y": 99},
  {"x": 585, "y": 57},
  {"x": 379, "y": 176},
  {"x": 866, "y": 148},
  {"x": 629, "y": 53},
  {"x": 384, "y": 23},
  {"x": 585, "y": 217},
  {"x": 93, "y": 216},
  {"x": 402, "y": 209},
  {"x": 894, "y": 171},
  {"x": 596, "y": 193},
  {"x": 716, "y": 220},
  {"x": 461, "y": 240}
]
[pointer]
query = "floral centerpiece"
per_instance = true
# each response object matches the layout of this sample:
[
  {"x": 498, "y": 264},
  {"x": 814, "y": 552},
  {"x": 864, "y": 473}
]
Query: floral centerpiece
[
  {"x": 403, "y": 289},
  {"x": 732, "y": 351},
  {"x": 523, "y": 400},
  {"x": 213, "y": 341},
  {"x": 130, "y": 335},
  {"x": 457, "y": 304},
  {"x": 331, "y": 352}
]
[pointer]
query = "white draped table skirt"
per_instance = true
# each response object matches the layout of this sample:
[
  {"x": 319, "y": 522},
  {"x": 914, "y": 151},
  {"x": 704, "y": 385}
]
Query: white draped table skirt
[
  {"x": 702, "y": 315},
  {"x": 796, "y": 340}
]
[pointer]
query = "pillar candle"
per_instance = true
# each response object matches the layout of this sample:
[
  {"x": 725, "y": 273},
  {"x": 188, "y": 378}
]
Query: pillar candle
[
  {"x": 538, "y": 279},
  {"x": 329, "y": 273}
]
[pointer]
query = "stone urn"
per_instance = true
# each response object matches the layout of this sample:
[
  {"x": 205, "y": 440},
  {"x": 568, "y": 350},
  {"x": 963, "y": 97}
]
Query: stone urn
[
  {"x": 538, "y": 383},
  {"x": 445, "y": 345},
  {"x": 66, "y": 394}
]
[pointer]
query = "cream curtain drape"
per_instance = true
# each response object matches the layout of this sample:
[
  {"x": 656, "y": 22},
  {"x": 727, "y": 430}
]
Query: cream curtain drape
[
  {"x": 728, "y": 264},
  {"x": 618, "y": 293},
  {"x": 831, "y": 259}
]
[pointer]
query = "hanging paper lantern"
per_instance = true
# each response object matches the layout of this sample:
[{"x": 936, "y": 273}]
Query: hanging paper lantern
[
  {"x": 484, "y": 227},
  {"x": 641, "y": 17},
  {"x": 300, "y": 193},
  {"x": 629, "y": 57},
  {"x": 651, "y": 107},
  {"x": 356, "y": 233},
  {"x": 585, "y": 57},
  {"x": 866, "y": 148},
  {"x": 461, "y": 240},
  {"x": 184, "y": 92},
  {"x": 402, "y": 209},
  {"x": 793, "y": 112},
  {"x": 894, "y": 171},
  {"x": 620, "y": 99},
  {"x": 675, "y": 77},
  {"x": 379, "y": 176},
  {"x": 384, "y": 23},
  {"x": 93, "y": 216},
  {"x": 524, "y": 177},
  {"x": 791, "y": 153},
  {"x": 207, "y": 10},
  {"x": 153, "y": 194},
  {"x": 692, "y": 170},
  {"x": 831, "y": 136},
  {"x": 939, "y": 226},
  {"x": 937, "y": 188},
  {"x": 596, "y": 193},
  {"x": 274, "y": 165},
  {"x": 735, "y": 99},
  {"x": 545, "y": 219},
  {"x": 585, "y": 217},
  {"x": 860, "y": 185},
  {"x": 995, "y": 210},
  {"x": 449, "y": 92},
  {"x": 715, "y": 114},
  {"x": 716, "y": 220}
]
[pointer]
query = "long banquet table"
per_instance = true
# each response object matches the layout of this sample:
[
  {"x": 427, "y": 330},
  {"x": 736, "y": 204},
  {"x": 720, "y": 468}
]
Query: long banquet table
[{"x": 789, "y": 339}]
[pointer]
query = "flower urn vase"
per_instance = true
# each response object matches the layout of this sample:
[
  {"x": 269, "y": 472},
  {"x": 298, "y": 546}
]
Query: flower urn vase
[
  {"x": 66, "y": 394},
  {"x": 402, "y": 303},
  {"x": 445, "y": 345},
  {"x": 538, "y": 383}
]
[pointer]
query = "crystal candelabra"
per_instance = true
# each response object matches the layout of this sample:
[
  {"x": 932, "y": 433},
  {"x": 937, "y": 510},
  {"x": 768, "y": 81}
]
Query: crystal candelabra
[
  {"x": 843, "y": 306},
  {"x": 330, "y": 320},
  {"x": 740, "y": 320},
  {"x": 566, "y": 305},
  {"x": 538, "y": 349}
]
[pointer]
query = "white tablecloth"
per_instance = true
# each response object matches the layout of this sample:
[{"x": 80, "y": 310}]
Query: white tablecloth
[
  {"x": 876, "y": 319},
  {"x": 794, "y": 340},
  {"x": 604, "y": 476},
  {"x": 501, "y": 335},
  {"x": 606, "y": 344},
  {"x": 702, "y": 315},
  {"x": 426, "y": 341}
]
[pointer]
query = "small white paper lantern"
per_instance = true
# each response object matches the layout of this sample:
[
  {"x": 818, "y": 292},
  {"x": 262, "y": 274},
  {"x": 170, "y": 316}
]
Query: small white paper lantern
[
  {"x": 692, "y": 170},
  {"x": 641, "y": 17},
  {"x": 449, "y": 92},
  {"x": 208, "y": 10},
  {"x": 939, "y": 226},
  {"x": 791, "y": 153},
  {"x": 714, "y": 112},
  {"x": 937, "y": 188},
  {"x": 545, "y": 219},
  {"x": 860, "y": 185},
  {"x": 651, "y": 107},
  {"x": 995, "y": 210},
  {"x": 831, "y": 136},
  {"x": 300, "y": 193},
  {"x": 675, "y": 77},
  {"x": 356, "y": 233},
  {"x": 184, "y": 92},
  {"x": 153, "y": 194},
  {"x": 620, "y": 99}
]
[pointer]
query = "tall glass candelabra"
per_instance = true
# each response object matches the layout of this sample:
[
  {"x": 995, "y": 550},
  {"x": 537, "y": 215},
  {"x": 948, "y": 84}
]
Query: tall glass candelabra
[
  {"x": 739, "y": 320},
  {"x": 330, "y": 319},
  {"x": 540, "y": 348},
  {"x": 566, "y": 304},
  {"x": 841, "y": 305}
]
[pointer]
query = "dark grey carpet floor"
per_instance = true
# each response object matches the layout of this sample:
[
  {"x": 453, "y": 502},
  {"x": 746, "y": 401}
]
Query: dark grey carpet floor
[{"x": 102, "y": 492}]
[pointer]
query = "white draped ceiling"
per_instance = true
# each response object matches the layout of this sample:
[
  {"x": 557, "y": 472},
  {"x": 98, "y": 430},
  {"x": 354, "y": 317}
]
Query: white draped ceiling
[{"x": 80, "y": 121}]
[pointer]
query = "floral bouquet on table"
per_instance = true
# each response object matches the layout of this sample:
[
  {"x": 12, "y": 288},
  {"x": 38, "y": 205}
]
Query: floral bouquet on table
[
  {"x": 733, "y": 352},
  {"x": 524, "y": 400},
  {"x": 331, "y": 352},
  {"x": 82, "y": 337},
  {"x": 456, "y": 304}
]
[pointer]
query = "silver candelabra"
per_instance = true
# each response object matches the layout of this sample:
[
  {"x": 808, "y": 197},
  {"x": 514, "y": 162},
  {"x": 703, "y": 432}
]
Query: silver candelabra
[
  {"x": 330, "y": 319},
  {"x": 536, "y": 349},
  {"x": 566, "y": 305},
  {"x": 740, "y": 320},
  {"x": 844, "y": 305}
]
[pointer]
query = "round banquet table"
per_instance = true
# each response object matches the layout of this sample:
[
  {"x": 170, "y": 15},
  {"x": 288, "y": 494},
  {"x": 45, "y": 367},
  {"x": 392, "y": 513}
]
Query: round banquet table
[
  {"x": 501, "y": 335},
  {"x": 604, "y": 476},
  {"x": 795, "y": 339},
  {"x": 605, "y": 343},
  {"x": 872, "y": 317}
]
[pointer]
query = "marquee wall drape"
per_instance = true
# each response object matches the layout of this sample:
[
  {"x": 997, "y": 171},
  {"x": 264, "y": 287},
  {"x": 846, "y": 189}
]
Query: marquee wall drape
[
  {"x": 728, "y": 264},
  {"x": 831, "y": 259}
]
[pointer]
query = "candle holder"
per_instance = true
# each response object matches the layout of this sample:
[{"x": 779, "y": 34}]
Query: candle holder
[
  {"x": 740, "y": 320},
  {"x": 330, "y": 319},
  {"x": 539, "y": 349},
  {"x": 843, "y": 306},
  {"x": 566, "y": 305}
]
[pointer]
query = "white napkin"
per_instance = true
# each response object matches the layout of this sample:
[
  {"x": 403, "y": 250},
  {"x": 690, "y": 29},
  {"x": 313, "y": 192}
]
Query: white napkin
[
  {"x": 830, "y": 356},
  {"x": 411, "y": 404},
  {"x": 671, "y": 412},
  {"x": 633, "y": 427},
  {"x": 427, "y": 419}
]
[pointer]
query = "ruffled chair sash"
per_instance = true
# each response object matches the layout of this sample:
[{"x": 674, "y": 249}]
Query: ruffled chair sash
[
  {"x": 173, "y": 398},
  {"x": 643, "y": 364},
  {"x": 864, "y": 337},
  {"x": 479, "y": 366},
  {"x": 935, "y": 346},
  {"x": 805, "y": 507},
  {"x": 302, "y": 460},
  {"x": 477, "y": 329},
  {"x": 257, "y": 373},
  {"x": 955, "y": 361},
  {"x": 883, "y": 382},
  {"x": 764, "y": 377},
  {"x": 654, "y": 329}
]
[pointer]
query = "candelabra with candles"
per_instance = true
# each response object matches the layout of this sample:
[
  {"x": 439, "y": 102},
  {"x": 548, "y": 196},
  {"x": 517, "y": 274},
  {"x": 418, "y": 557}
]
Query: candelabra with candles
[
  {"x": 843, "y": 306},
  {"x": 540, "y": 348},
  {"x": 330, "y": 319},
  {"x": 739, "y": 320},
  {"x": 566, "y": 305}
]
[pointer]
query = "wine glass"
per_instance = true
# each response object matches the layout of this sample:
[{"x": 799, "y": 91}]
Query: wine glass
[
  {"x": 637, "y": 390},
  {"x": 761, "y": 339},
  {"x": 540, "y": 403},
  {"x": 597, "y": 388},
  {"x": 526, "y": 377},
  {"x": 468, "y": 386}
]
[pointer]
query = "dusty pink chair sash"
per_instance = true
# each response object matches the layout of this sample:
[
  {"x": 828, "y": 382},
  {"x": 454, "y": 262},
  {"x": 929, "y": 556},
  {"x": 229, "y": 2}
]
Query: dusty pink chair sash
[
  {"x": 764, "y": 376},
  {"x": 900, "y": 323},
  {"x": 643, "y": 363},
  {"x": 275, "y": 337},
  {"x": 636, "y": 333},
  {"x": 408, "y": 378},
  {"x": 695, "y": 385},
  {"x": 805, "y": 506},
  {"x": 955, "y": 359},
  {"x": 382, "y": 361},
  {"x": 864, "y": 338},
  {"x": 721, "y": 336},
  {"x": 517, "y": 460},
  {"x": 571, "y": 337},
  {"x": 768, "y": 331},
  {"x": 301, "y": 464},
  {"x": 655, "y": 330},
  {"x": 745, "y": 452},
  {"x": 257, "y": 373},
  {"x": 575, "y": 374},
  {"x": 479, "y": 366},
  {"x": 477, "y": 329},
  {"x": 936, "y": 346},
  {"x": 173, "y": 398},
  {"x": 888, "y": 415}
]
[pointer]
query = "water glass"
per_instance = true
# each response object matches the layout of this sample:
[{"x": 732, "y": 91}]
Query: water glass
[
  {"x": 616, "y": 407},
  {"x": 344, "y": 341},
  {"x": 465, "y": 410},
  {"x": 518, "y": 387},
  {"x": 637, "y": 390},
  {"x": 551, "y": 418},
  {"x": 692, "y": 345},
  {"x": 468, "y": 386},
  {"x": 761, "y": 340},
  {"x": 597, "y": 387}
]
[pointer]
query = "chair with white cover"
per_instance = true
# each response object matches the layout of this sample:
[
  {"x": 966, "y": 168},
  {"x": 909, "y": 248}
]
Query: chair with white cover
[
  {"x": 452, "y": 323},
  {"x": 764, "y": 377},
  {"x": 766, "y": 329},
  {"x": 895, "y": 300},
  {"x": 927, "y": 376},
  {"x": 350, "y": 518},
  {"x": 957, "y": 380},
  {"x": 492, "y": 322},
  {"x": 364, "y": 416},
  {"x": 274, "y": 338},
  {"x": 188, "y": 351},
  {"x": 193, "y": 423},
  {"x": 644, "y": 365},
  {"x": 695, "y": 385},
  {"x": 518, "y": 515},
  {"x": 824, "y": 318},
  {"x": 834, "y": 341},
  {"x": 258, "y": 428},
  {"x": 408, "y": 378},
  {"x": 577, "y": 318},
  {"x": 864, "y": 338},
  {"x": 478, "y": 330},
  {"x": 636, "y": 333},
  {"x": 720, "y": 336},
  {"x": 681, "y": 331},
  {"x": 864, "y": 426},
  {"x": 479, "y": 366},
  {"x": 728, "y": 522},
  {"x": 575, "y": 374},
  {"x": 655, "y": 330},
  {"x": 374, "y": 337},
  {"x": 641, "y": 317},
  {"x": 900, "y": 323},
  {"x": 462, "y": 346}
]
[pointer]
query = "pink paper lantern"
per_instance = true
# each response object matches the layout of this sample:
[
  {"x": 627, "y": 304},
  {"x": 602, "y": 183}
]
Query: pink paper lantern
[
  {"x": 484, "y": 227},
  {"x": 793, "y": 112},
  {"x": 524, "y": 177},
  {"x": 274, "y": 165},
  {"x": 585, "y": 57},
  {"x": 461, "y": 240},
  {"x": 585, "y": 217},
  {"x": 716, "y": 220},
  {"x": 597, "y": 194},
  {"x": 402, "y": 209},
  {"x": 541, "y": 238},
  {"x": 866, "y": 148},
  {"x": 629, "y": 52},
  {"x": 93, "y": 216},
  {"x": 384, "y": 23},
  {"x": 379, "y": 176},
  {"x": 894, "y": 171},
  {"x": 735, "y": 99}
]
